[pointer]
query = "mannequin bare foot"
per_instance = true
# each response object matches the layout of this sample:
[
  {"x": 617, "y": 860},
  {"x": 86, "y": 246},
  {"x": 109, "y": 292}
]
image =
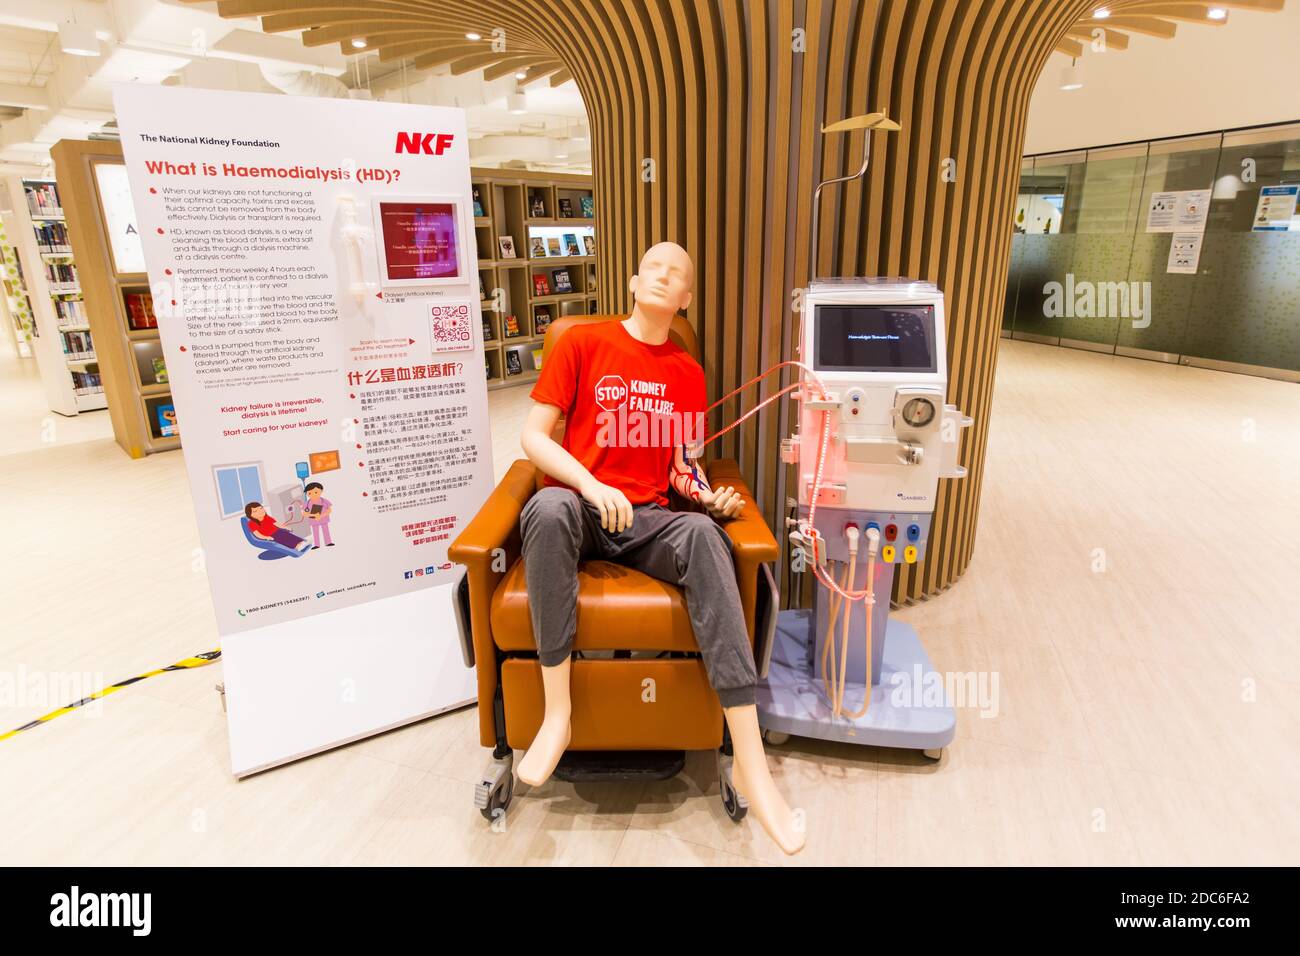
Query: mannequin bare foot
[
  {"x": 537, "y": 765},
  {"x": 768, "y": 806}
]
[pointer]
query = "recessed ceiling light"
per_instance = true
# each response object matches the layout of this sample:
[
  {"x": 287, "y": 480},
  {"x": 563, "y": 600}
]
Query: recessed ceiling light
[
  {"x": 1101, "y": 13},
  {"x": 521, "y": 75},
  {"x": 358, "y": 43},
  {"x": 473, "y": 36},
  {"x": 1217, "y": 13}
]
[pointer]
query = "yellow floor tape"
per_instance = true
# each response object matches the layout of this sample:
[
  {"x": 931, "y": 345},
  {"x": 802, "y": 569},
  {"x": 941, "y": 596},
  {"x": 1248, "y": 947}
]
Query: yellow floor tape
[{"x": 199, "y": 660}]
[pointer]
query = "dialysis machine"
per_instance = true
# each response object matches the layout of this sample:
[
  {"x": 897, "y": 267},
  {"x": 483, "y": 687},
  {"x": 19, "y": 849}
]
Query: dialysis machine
[{"x": 875, "y": 436}]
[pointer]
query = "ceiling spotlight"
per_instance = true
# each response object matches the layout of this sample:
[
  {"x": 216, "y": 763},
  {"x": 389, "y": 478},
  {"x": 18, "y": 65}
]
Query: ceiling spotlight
[
  {"x": 1101, "y": 13},
  {"x": 1217, "y": 13},
  {"x": 516, "y": 103},
  {"x": 473, "y": 36},
  {"x": 78, "y": 40},
  {"x": 521, "y": 75},
  {"x": 1072, "y": 77},
  {"x": 358, "y": 43}
]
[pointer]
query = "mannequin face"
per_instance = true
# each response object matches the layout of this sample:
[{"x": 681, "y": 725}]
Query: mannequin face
[{"x": 664, "y": 279}]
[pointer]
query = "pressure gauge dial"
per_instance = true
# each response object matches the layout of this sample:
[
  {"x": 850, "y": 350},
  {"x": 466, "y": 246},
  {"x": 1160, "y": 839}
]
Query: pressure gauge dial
[{"x": 918, "y": 412}]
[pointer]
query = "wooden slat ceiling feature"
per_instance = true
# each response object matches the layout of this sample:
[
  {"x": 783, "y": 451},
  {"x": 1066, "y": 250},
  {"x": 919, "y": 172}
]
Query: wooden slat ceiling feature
[
  {"x": 705, "y": 119},
  {"x": 1155, "y": 18}
]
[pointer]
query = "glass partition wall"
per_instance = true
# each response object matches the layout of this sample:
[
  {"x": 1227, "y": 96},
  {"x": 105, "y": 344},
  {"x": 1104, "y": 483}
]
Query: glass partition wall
[{"x": 1087, "y": 273}]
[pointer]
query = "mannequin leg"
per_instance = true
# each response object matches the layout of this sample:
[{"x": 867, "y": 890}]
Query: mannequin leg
[
  {"x": 536, "y": 766},
  {"x": 557, "y": 532},
  {"x": 753, "y": 780},
  {"x": 691, "y": 551}
]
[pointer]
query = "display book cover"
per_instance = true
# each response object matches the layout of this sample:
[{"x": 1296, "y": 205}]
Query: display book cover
[{"x": 421, "y": 240}]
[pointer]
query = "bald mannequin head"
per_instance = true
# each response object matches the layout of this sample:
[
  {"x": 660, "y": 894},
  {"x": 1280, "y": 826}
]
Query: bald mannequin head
[{"x": 664, "y": 280}]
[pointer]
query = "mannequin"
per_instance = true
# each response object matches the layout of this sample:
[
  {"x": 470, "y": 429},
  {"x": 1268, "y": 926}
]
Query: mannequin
[{"x": 605, "y": 497}]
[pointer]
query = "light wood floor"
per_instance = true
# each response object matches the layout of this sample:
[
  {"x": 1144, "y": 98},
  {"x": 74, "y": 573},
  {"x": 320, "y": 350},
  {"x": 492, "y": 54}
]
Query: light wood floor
[{"x": 1134, "y": 591}]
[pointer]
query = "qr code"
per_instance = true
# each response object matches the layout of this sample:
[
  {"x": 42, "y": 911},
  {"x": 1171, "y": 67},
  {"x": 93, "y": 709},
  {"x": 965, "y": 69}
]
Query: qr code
[{"x": 452, "y": 330}]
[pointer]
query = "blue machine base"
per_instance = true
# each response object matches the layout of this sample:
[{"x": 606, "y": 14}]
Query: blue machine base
[{"x": 791, "y": 700}]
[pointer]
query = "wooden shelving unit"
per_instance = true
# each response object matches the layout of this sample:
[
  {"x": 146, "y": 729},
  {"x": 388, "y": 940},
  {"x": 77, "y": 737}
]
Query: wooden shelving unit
[
  {"x": 508, "y": 199},
  {"x": 64, "y": 345},
  {"x": 118, "y": 305}
]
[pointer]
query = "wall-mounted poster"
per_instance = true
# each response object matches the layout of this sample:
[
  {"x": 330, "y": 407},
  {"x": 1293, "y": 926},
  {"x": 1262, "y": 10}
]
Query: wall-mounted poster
[
  {"x": 119, "y": 218},
  {"x": 420, "y": 241},
  {"x": 1275, "y": 209}
]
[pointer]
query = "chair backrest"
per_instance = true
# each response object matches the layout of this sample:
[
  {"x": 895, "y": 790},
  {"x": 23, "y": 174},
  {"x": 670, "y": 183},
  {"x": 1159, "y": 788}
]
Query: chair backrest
[{"x": 680, "y": 332}]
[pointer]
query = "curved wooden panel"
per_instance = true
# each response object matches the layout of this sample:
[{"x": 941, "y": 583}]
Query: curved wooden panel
[{"x": 705, "y": 118}]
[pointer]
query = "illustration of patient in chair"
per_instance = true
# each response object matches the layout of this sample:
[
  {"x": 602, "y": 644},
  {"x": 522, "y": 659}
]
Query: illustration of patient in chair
[{"x": 261, "y": 527}]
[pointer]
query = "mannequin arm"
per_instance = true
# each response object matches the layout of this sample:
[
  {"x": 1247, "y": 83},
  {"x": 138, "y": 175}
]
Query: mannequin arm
[{"x": 546, "y": 453}]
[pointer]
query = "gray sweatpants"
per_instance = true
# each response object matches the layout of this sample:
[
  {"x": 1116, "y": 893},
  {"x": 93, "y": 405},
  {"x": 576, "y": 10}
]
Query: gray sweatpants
[{"x": 684, "y": 548}]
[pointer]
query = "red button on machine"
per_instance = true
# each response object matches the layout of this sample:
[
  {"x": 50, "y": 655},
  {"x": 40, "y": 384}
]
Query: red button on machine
[{"x": 891, "y": 532}]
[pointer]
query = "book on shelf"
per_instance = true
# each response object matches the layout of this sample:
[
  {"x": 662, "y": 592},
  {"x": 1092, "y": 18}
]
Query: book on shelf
[
  {"x": 512, "y": 329},
  {"x": 43, "y": 200},
  {"x": 513, "y": 365},
  {"x": 166, "y": 416},
  {"x": 571, "y": 245},
  {"x": 507, "y": 244},
  {"x": 562, "y": 281},
  {"x": 487, "y": 329},
  {"x": 536, "y": 207},
  {"x": 589, "y": 244},
  {"x": 541, "y": 319},
  {"x": 566, "y": 208},
  {"x": 52, "y": 237},
  {"x": 537, "y": 358},
  {"x": 540, "y": 286},
  {"x": 139, "y": 311},
  {"x": 553, "y": 246},
  {"x": 159, "y": 370},
  {"x": 537, "y": 247},
  {"x": 588, "y": 207},
  {"x": 478, "y": 203}
]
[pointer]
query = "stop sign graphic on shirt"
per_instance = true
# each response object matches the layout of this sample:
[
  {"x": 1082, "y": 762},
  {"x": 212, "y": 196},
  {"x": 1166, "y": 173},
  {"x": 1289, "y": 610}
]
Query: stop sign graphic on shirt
[{"x": 611, "y": 392}]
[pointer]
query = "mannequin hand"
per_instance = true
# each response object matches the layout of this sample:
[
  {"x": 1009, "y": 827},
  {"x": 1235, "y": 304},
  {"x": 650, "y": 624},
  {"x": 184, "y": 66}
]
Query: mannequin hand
[
  {"x": 615, "y": 509},
  {"x": 722, "y": 502}
]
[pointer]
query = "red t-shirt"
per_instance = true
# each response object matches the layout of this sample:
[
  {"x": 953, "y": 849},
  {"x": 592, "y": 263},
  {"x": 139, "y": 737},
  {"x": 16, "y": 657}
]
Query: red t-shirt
[
  {"x": 627, "y": 405},
  {"x": 266, "y": 526}
]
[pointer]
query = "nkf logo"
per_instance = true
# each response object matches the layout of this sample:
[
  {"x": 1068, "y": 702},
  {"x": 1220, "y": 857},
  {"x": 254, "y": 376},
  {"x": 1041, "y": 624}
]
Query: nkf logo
[
  {"x": 434, "y": 144},
  {"x": 611, "y": 392}
]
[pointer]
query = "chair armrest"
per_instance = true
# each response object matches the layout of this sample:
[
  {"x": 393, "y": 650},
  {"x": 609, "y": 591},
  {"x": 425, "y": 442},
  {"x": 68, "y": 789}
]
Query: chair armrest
[
  {"x": 488, "y": 546},
  {"x": 752, "y": 543}
]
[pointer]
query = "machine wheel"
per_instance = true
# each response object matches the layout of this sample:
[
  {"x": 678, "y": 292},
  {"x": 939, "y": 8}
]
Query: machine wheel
[
  {"x": 934, "y": 753},
  {"x": 775, "y": 737},
  {"x": 499, "y": 799},
  {"x": 731, "y": 801},
  {"x": 495, "y": 788}
]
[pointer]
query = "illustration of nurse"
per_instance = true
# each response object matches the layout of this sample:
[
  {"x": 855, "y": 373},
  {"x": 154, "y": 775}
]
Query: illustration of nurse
[{"x": 317, "y": 508}]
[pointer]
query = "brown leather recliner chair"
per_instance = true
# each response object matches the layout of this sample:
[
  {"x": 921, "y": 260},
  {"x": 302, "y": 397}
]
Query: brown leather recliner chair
[{"x": 641, "y": 696}]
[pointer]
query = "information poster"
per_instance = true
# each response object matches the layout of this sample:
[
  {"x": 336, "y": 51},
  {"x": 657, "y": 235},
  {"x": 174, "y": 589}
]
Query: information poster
[
  {"x": 1275, "y": 209},
  {"x": 334, "y": 426},
  {"x": 1180, "y": 211},
  {"x": 1184, "y": 253}
]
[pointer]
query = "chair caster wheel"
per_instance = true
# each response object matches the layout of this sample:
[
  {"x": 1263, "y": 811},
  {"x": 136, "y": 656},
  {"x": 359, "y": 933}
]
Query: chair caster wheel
[
  {"x": 775, "y": 737},
  {"x": 934, "y": 753},
  {"x": 496, "y": 788},
  {"x": 733, "y": 803}
]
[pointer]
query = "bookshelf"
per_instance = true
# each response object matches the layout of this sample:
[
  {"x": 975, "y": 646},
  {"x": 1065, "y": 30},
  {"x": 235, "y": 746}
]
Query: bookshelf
[
  {"x": 117, "y": 301},
  {"x": 527, "y": 206},
  {"x": 49, "y": 284},
  {"x": 17, "y": 302}
]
